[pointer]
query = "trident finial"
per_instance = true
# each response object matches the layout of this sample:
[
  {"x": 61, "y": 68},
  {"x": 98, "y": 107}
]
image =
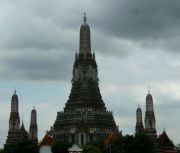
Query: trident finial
[
  {"x": 85, "y": 18},
  {"x": 34, "y": 105},
  {"x": 148, "y": 89},
  {"x": 14, "y": 90}
]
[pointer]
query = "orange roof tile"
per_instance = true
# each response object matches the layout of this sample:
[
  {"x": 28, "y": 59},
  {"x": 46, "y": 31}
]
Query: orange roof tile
[{"x": 47, "y": 140}]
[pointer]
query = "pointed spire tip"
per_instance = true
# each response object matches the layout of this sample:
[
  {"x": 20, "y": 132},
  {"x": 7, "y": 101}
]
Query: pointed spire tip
[
  {"x": 149, "y": 90},
  {"x": 14, "y": 90},
  {"x": 85, "y": 20},
  {"x": 33, "y": 105}
]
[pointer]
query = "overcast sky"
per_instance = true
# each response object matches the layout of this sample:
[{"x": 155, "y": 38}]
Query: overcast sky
[{"x": 136, "y": 44}]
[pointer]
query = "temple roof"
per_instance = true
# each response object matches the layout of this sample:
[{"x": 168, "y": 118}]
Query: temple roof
[
  {"x": 110, "y": 137},
  {"x": 166, "y": 144},
  {"x": 164, "y": 140},
  {"x": 46, "y": 141}
]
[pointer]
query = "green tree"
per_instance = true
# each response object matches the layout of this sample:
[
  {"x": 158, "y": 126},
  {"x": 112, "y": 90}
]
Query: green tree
[
  {"x": 1, "y": 151},
  {"x": 132, "y": 144},
  {"x": 90, "y": 148},
  {"x": 123, "y": 144},
  {"x": 9, "y": 148},
  {"x": 60, "y": 146},
  {"x": 143, "y": 144},
  {"x": 25, "y": 146}
]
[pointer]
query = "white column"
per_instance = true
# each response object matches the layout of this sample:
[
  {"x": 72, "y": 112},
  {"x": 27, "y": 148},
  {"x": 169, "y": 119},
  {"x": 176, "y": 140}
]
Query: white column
[
  {"x": 79, "y": 138},
  {"x": 84, "y": 138}
]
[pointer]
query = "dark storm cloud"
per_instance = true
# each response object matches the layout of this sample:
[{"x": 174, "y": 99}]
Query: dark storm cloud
[
  {"x": 36, "y": 33},
  {"x": 153, "y": 23},
  {"x": 139, "y": 19},
  {"x": 118, "y": 28},
  {"x": 37, "y": 66},
  {"x": 36, "y": 42},
  {"x": 27, "y": 25}
]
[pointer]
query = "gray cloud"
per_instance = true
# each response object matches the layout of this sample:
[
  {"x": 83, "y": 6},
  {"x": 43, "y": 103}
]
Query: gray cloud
[
  {"x": 153, "y": 23},
  {"x": 140, "y": 19},
  {"x": 37, "y": 65},
  {"x": 119, "y": 28}
]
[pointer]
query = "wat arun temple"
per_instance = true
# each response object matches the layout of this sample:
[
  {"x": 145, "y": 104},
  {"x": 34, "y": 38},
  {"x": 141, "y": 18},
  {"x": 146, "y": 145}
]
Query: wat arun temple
[{"x": 85, "y": 117}]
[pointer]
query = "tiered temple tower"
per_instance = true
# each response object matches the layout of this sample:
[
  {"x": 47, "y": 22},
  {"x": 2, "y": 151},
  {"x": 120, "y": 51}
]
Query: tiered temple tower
[
  {"x": 33, "y": 126},
  {"x": 85, "y": 117},
  {"x": 15, "y": 132},
  {"x": 150, "y": 121},
  {"x": 150, "y": 128},
  {"x": 139, "y": 123},
  {"x": 14, "y": 121}
]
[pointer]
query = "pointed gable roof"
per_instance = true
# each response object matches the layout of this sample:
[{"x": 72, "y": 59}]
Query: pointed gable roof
[
  {"x": 111, "y": 136},
  {"x": 46, "y": 141},
  {"x": 164, "y": 140},
  {"x": 166, "y": 144}
]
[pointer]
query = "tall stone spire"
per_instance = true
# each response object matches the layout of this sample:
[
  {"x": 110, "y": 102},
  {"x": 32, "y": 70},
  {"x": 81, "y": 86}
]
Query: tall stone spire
[
  {"x": 139, "y": 123},
  {"x": 150, "y": 122},
  {"x": 14, "y": 120},
  {"x": 14, "y": 133},
  {"x": 33, "y": 130},
  {"x": 85, "y": 67},
  {"x": 85, "y": 117},
  {"x": 149, "y": 115},
  {"x": 85, "y": 37},
  {"x": 14, "y": 103}
]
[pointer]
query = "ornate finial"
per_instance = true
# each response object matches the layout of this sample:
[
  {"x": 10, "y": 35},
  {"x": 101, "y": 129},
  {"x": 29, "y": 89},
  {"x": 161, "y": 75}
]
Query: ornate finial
[
  {"x": 148, "y": 89},
  {"x": 85, "y": 37},
  {"x": 14, "y": 90},
  {"x": 33, "y": 105},
  {"x": 138, "y": 106},
  {"x": 85, "y": 18}
]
